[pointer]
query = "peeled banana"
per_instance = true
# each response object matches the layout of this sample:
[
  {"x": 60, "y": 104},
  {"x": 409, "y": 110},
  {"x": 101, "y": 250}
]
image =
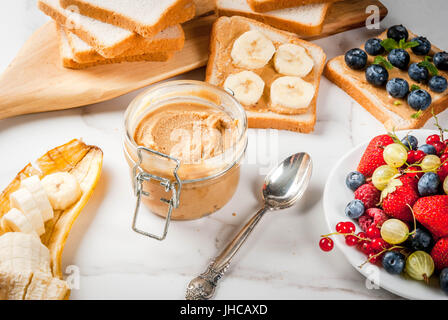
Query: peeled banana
[
  {"x": 246, "y": 86},
  {"x": 293, "y": 60},
  {"x": 23, "y": 200},
  {"x": 291, "y": 92},
  {"x": 252, "y": 50},
  {"x": 34, "y": 186},
  {"x": 16, "y": 221},
  {"x": 62, "y": 189}
]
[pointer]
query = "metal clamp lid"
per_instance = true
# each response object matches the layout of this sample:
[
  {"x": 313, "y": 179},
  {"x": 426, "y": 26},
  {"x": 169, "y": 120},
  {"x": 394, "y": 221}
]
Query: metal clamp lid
[{"x": 140, "y": 176}]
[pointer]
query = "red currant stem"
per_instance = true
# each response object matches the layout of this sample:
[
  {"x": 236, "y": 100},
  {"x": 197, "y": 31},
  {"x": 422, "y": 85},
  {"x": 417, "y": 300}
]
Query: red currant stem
[
  {"x": 380, "y": 253},
  {"x": 344, "y": 234},
  {"x": 438, "y": 126}
]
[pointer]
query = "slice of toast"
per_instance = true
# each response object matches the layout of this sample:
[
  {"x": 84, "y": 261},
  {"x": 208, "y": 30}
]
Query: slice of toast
[
  {"x": 271, "y": 5},
  {"x": 69, "y": 61},
  {"x": 394, "y": 113},
  {"x": 225, "y": 31},
  {"x": 303, "y": 20},
  {"x": 108, "y": 40},
  {"x": 204, "y": 6},
  {"x": 169, "y": 40},
  {"x": 146, "y": 18}
]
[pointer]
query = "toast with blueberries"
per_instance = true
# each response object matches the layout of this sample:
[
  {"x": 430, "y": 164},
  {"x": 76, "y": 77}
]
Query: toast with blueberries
[{"x": 399, "y": 77}]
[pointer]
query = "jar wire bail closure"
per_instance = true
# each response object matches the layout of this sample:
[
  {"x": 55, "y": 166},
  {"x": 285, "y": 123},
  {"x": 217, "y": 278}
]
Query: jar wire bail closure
[{"x": 140, "y": 176}]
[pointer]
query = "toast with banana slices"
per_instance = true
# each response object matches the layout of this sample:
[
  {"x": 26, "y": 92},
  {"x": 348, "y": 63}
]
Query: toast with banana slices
[
  {"x": 272, "y": 73},
  {"x": 37, "y": 211}
]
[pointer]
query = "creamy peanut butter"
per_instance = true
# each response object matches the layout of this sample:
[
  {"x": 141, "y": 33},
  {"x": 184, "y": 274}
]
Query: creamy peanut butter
[
  {"x": 189, "y": 132},
  {"x": 199, "y": 135}
]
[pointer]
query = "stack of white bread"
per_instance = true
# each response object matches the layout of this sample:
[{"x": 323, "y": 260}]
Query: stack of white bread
[
  {"x": 303, "y": 17},
  {"x": 96, "y": 32}
]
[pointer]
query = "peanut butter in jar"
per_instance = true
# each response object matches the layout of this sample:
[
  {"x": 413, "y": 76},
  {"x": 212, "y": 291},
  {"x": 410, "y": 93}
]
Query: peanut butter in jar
[{"x": 202, "y": 127}]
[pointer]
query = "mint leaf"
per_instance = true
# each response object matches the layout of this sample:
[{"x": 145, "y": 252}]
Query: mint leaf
[
  {"x": 397, "y": 103},
  {"x": 407, "y": 45},
  {"x": 383, "y": 61},
  {"x": 431, "y": 68},
  {"x": 389, "y": 44},
  {"x": 414, "y": 87},
  {"x": 428, "y": 58},
  {"x": 417, "y": 114}
]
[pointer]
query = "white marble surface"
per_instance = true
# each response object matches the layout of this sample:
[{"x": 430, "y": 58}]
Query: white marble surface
[{"x": 281, "y": 260}]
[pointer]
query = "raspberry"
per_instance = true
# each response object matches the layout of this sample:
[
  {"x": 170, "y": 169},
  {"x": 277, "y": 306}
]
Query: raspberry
[
  {"x": 372, "y": 217},
  {"x": 369, "y": 195}
]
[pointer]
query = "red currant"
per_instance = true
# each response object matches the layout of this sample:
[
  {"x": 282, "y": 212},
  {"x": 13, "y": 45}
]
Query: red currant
[
  {"x": 411, "y": 173},
  {"x": 350, "y": 226},
  {"x": 365, "y": 248},
  {"x": 341, "y": 227},
  {"x": 326, "y": 244},
  {"x": 415, "y": 156},
  {"x": 433, "y": 138},
  {"x": 443, "y": 171},
  {"x": 373, "y": 232},
  {"x": 351, "y": 240},
  {"x": 379, "y": 244},
  {"x": 374, "y": 259},
  {"x": 440, "y": 146},
  {"x": 444, "y": 157}
]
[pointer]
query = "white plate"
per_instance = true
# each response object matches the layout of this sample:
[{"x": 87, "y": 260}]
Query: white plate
[{"x": 336, "y": 197}]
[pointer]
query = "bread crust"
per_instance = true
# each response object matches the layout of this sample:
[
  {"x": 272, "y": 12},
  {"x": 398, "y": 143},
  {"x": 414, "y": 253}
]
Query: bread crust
[
  {"x": 157, "y": 45},
  {"x": 279, "y": 23},
  {"x": 270, "y": 5},
  {"x": 265, "y": 120},
  {"x": 379, "y": 113},
  {"x": 179, "y": 12}
]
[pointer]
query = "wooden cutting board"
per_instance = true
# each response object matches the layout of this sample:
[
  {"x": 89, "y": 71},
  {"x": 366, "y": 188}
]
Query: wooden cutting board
[{"x": 35, "y": 81}]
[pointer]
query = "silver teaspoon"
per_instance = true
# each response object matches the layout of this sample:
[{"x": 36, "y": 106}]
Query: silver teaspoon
[{"x": 283, "y": 186}]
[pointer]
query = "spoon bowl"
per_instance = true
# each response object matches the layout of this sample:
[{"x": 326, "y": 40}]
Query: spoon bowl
[{"x": 287, "y": 183}]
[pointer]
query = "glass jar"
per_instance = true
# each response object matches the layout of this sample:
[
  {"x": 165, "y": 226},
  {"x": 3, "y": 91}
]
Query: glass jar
[{"x": 173, "y": 188}]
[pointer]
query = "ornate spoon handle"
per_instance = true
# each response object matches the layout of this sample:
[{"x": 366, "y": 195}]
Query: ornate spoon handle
[{"x": 203, "y": 287}]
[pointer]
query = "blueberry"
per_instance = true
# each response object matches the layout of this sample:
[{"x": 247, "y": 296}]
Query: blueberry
[
  {"x": 377, "y": 75},
  {"x": 419, "y": 99},
  {"x": 410, "y": 142},
  {"x": 428, "y": 149},
  {"x": 421, "y": 240},
  {"x": 440, "y": 60},
  {"x": 397, "y": 33},
  {"x": 424, "y": 46},
  {"x": 354, "y": 209},
  {"x": 444, "y": 280},
  {"x": 356, "y": 59},
  {"x": 394, "y": 262},
  {"x": 399, "y": 58},
  {"x": 418, "y": 73},
  {"x": 438, "y": 84},
  {"x": 373, "y": 47},
  {"x": 428, "y": 185},
  {"x": 354, "y": 180},
  {"x": 397, "y": 87}
]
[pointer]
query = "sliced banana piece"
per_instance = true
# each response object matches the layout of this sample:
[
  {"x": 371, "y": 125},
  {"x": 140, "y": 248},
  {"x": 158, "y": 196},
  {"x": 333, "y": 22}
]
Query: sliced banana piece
[
  {"x": 293, "y": 60},
  {"x": 23, "y": 200},
  {"x": 62, "y": 189},
  {"x": 16, "y": 221},
  {"x": 33, "y": 185},
  {"x": 252, "y": 50},
  {"x": 291, "y": 92},
  {"x": 247, "y": 87}
]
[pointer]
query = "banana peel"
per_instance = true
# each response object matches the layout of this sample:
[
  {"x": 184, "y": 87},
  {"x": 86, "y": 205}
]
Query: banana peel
[{"x": 85, "y": 163}]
